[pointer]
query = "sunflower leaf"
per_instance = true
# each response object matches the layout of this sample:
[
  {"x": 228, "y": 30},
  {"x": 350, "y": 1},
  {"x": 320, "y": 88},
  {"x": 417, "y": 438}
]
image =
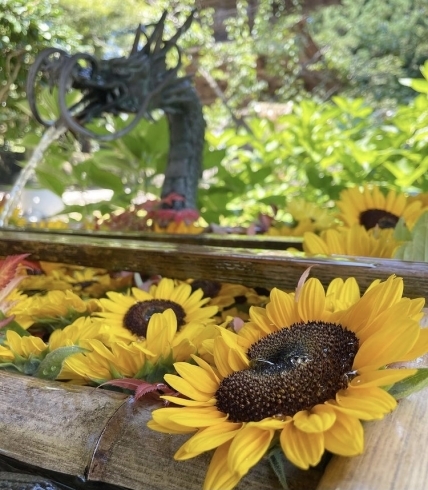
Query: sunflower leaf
[
  {"x": 416, "y": 249},
  {"x": 51, "y": 365},
  {"x": 410, "y": 385},
  {"x": 401, "y": 232},
  {"x": 278, "y": 462}
]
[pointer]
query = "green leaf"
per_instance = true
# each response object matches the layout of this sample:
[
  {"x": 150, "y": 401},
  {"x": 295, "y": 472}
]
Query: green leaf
[
  {"x": 104, "y": 179},
  {"x": 417, "y": 84},
  {"x": 51, "y": 182},
  {"x": 51, "y": 365},
  {"x": 416, "y": 249},
  {"x": 401, "y": 232},
  {"x": 410, "y": 385},
  {"x": 278, "y": 463}
]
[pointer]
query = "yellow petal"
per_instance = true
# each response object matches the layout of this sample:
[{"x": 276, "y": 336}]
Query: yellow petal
[
  {"x": 318, "y": 419},
  {"x": 185, "y": 388},
  {"x": 364, "y": 403},
  {"x": 207, "y": 439},
  {"x": 419, "y": 349},
  {"x": 185, "y": 402},
  {"x": 259, "y": 316},
  {"x": 151, "y": 424},
  {"x": 164, "y": 289},
  {"x": 383, "y": 377},
  {"x": 346, "y": 437},
  {"x": 218, "y": 476},
  {"x": 311, "y": 303},
  {"x": 248, "y": 447},
  {"x": 280, "y": 309},
  {"x": 221, "y": 357},
  {"x": 200, "y": 379},
  {"x": 198, "y": 416},
  {"x": 162, "y": 417},
  {"x": 302, "y": 448},
  {"x": 387, "y": 346}
]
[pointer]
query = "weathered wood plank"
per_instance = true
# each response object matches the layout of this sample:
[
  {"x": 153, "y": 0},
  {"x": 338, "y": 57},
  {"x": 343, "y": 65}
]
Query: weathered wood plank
[
  {"x": 100, "y": 436},
  {"x": 251, "y": 267},
  {"x": 395, "y": 456},
  {"x": 210, "y": 239}
]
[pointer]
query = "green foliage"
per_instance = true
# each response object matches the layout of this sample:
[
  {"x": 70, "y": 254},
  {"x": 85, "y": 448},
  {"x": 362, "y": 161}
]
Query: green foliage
[
  {"x": 410, "y": 385},
  {"x": 26, "y": 27},
  {"x": 372, "y": 44},
  {"x": 317, "y": 151},
  {"x": 416, "y": 248}
]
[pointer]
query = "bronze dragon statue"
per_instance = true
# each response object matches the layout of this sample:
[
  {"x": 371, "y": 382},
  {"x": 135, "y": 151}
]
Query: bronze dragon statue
[{"x": 136, "y": 85}]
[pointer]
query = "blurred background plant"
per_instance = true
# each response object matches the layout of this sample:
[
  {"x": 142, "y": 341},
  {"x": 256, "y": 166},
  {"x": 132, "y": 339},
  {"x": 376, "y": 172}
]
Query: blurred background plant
[{"x": 302, "y": 99}]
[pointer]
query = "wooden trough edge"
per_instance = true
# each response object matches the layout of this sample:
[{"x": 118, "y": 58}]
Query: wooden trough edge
[
  {"x": 99, "y": 435},
  {"x": 211, "y": 239},
  {"x": 253, "y": 267},
  {"x": 102, "y": 436}
]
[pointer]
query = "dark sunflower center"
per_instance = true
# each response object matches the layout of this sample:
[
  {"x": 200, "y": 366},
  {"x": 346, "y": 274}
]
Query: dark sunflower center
[
  {"x": 138, "y": 316},
  {"x": 210, "y": 288},
  {"x": 290, "y": 370},
  {"x": 372, "y": 217}
]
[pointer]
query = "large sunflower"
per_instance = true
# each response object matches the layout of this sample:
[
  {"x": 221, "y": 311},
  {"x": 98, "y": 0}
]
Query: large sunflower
[
  {"x": 304, "y": 376},
  {"x": 370, "y": 207},
  {"x": 134, "y": 311},
  {"x": 355, "y": 241}
]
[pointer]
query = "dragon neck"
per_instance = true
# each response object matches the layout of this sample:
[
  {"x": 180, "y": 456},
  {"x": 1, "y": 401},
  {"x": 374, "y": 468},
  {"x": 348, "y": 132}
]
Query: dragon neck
[{"x": 187, "y": 131}]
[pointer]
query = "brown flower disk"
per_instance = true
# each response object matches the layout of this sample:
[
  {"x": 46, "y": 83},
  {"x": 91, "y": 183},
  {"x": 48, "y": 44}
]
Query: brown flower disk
[
  {"x": 378, "y": 217},
  {"x": 138, "y": 316},
  {"x": 290, "y": 370}
]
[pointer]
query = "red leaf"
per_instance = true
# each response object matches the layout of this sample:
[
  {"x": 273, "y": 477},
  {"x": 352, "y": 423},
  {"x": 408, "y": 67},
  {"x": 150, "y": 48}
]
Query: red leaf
[
  {"x": 9, "y": 267},
  {"x": 139, "y": 386}
]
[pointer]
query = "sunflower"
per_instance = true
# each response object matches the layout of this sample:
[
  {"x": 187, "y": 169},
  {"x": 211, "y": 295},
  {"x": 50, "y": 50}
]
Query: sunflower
[
  {"x": 85, "y": 281},
  {"x": 304, "y": 376},
  {"x": 370, "y": 207},
  {"x": 87, "y": 327},
  {"x": 320, "y": 217},
  {"x": 355, "y": 241},
  {"x": 21, "y": 351},
  {"x": 148, "y": 359},
  {"x": 55, "y": 308},
  {"x": 134, "y": 311},
  {"x": 179, "y": 227},
  {"x": 291, "y": 230}
]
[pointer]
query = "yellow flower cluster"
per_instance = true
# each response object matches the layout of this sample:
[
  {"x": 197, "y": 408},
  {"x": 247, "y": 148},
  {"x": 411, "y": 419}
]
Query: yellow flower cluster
[{"x": 300, "y": 370}]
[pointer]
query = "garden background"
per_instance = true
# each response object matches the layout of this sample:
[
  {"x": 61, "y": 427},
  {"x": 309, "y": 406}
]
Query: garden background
[{"x": 302, "y": 99}]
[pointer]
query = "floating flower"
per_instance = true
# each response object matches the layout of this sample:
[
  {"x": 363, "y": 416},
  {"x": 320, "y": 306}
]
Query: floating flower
[
  {"x": 85, "y": 281},
  {"x": 355, "y": 241},
  {"x": 21, "y": 350},
  {"x": 54, "y": 309},
  {"x": 304, "y": 376},
  {"x": 370, "y": 207},
  {"x": 133, "y": 312},
  {"x": 148, "y": 359},
  {"x": 291, "y": 230},
  {"x": 304, "y": 211}
]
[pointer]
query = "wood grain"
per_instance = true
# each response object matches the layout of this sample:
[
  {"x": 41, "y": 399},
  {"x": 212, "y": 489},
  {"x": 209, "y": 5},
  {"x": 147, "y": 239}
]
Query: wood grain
[
  {"x": 395, "y": 457},
  {"x": 99, "y": 435},
  {"x": 210, "y": 239},
  {"x": 251, "y": 267}
]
